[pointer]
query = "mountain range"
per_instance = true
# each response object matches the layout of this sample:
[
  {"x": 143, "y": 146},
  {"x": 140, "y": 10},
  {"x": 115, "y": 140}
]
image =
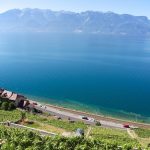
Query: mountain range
[{"x": 40, "y": 20}]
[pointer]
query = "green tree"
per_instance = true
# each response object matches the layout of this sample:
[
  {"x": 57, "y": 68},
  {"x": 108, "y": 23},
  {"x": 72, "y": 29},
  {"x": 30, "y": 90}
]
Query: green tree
[
  {"x": 5, "y": 106},
  {"x": 0, "y": 103},
  {"x": 23, "y": 116},
  {"x": 98, "y": 123},
  {"x": 11, "y": 106}
]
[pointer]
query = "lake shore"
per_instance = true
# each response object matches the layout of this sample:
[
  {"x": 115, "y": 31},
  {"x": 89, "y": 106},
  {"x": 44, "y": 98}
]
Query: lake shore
[
  {"x": 71, "y": 114},
  {"x": 95, "y": 116}
]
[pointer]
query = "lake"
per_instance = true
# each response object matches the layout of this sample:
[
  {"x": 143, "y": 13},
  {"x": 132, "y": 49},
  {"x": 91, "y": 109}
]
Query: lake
[{"x": 106, "y": 75}]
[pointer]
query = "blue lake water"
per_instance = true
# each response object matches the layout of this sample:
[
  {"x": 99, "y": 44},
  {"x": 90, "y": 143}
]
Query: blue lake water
[{"x": 102, "y": 74}]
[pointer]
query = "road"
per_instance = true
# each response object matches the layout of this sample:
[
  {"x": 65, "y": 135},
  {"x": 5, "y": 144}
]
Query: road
[
  {"x": 62, "y": 114},
  {"x": 75, "y": 117},
  {"x": 103, "y": 118}
]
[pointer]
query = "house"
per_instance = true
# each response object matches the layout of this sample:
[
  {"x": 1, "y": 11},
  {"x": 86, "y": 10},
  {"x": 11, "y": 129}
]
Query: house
[
  {"x": 19, "y": 100},
  {"x": 6, "y": 94}
]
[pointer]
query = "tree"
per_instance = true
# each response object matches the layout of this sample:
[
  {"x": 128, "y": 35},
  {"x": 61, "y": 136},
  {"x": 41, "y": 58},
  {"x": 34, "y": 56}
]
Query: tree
[
  {"x": 98, "y": 123},
  {"x": 1, "y": 103},
  {"x": 5, "y": 106},
  {"x": 23, "y": 116},
  {"x": 11, "y": 106}
]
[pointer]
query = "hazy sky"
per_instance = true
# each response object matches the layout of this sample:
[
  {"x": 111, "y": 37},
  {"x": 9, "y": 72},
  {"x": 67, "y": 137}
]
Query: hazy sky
[{"x": 135, "y": 7}]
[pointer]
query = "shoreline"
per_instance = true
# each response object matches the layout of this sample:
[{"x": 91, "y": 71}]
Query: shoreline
[
  {"x": 104, "y": 112},
  {"x": 69, "y": 112},
  {"x": 95, "y": 116}
]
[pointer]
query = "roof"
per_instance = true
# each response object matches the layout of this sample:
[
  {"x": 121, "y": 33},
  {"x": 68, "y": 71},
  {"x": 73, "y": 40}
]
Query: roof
[
  {"x": 13, "y": 97},
  {"x": 7, "y": 93},
  {"x": 21, "y": 96}
]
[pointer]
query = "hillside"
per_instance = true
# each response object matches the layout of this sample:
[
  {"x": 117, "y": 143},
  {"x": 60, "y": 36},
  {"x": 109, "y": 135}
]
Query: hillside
[{"x": 99, "y": 137}]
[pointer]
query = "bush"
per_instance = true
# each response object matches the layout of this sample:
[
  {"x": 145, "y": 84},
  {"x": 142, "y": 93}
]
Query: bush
[
  {"x": 11, "y": 106},
  {"x": 23, "y": 116},
  {"x": 12, "y": 116},
  {"x": 98, "y": 123},
  {"x": 5, "y": 106},
  {"x": 1, "y": 103}
]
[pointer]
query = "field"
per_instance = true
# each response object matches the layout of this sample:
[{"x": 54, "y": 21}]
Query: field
[
  {"x": 63, "y": 124},
  {"x": 45, "y": 122},
  {"x": 143, "y": 136},
  {"x": 20, "y": 139},
  {"x": 112, "y": 136},
  {"x": 143, "y": 133},
  {"x": 13, "y": 115}
]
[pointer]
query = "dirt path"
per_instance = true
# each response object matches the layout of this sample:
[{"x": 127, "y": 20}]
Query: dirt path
[
  {"x": 88, "y": 131},
  {"x": 143, "y": 141},
  {"x": 132, "y": 134}
]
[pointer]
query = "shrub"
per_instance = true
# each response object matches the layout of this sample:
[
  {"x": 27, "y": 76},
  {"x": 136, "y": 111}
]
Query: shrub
[
  {"x": 5, "y": 106},
  {"x": 98, "y": 123},
  {"x": 1, "y": 103},
  {"x": 11, "y": 106},
  {"x": 23, "y": 116}
]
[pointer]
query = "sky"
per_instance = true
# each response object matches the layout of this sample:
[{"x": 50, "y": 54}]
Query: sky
[{"x": 134, "y": 7}]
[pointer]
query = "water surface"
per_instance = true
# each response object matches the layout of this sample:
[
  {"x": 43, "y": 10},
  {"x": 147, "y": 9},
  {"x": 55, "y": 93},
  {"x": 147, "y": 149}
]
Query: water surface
[{"x": 103, "y": 74}]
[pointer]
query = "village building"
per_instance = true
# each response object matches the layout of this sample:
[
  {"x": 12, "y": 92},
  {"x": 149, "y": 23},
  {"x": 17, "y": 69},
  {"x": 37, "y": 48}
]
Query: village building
[{"x": 18, "y": 100}]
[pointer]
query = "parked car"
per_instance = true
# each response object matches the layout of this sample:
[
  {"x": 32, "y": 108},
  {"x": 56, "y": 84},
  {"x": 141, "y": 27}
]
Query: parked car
[
  {"x": 91, "y": 119},
  {"x": 126, "y": 125},
  {"x": 85, "y": 118},
  {"x": 88, "y": 119}
]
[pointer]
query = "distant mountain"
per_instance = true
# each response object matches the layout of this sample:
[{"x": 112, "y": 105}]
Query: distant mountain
[{"x": 38, "y": 20}]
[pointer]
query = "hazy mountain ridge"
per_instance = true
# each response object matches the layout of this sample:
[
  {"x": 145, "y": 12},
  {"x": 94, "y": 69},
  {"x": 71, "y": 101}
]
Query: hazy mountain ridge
[{"x": 38, "y": 20}]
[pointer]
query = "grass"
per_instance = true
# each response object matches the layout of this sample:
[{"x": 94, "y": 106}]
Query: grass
[
  {"x": 63, "y": 124},
  {"x": 50, "y": 121},
  {"x": 112, "y": 135},
  {"x": 13, "y": 115},
  {"x": 45, "y": 127},
  {"x": 51, "y": 124},
  {"x": 143, "y": 133},
  {"x": 143, "y": 136}
]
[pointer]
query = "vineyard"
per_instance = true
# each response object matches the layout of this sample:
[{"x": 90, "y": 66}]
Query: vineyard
[
  {"x": 13, "y": 115},
  {"x": 19, "y": 139},
  {"x": 99, "y": 138},
  {"x": 143, "y": 133},
  {"x": 112, "y": 136}
]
